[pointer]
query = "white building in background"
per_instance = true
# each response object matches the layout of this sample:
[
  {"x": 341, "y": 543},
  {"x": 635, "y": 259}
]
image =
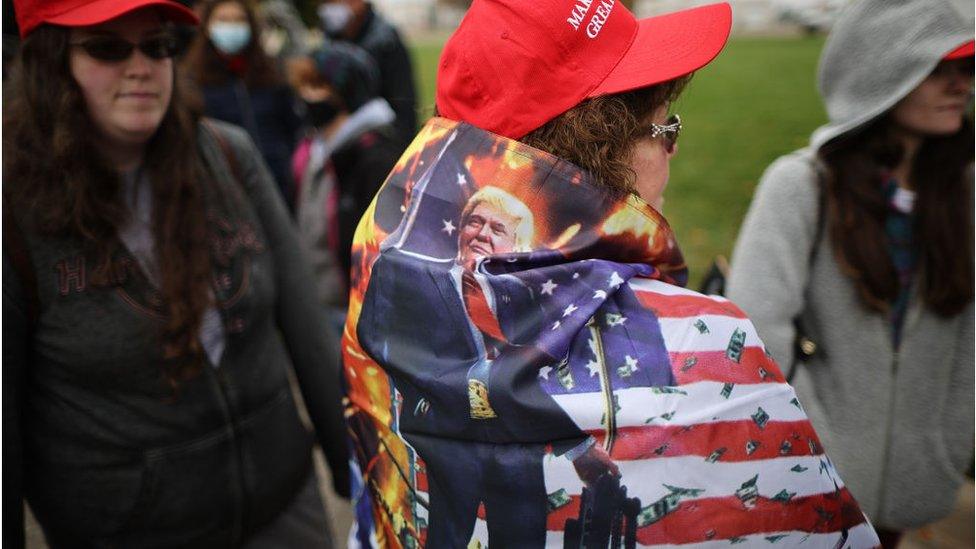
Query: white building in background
[
  {"x": 749, "y": 16},
  {"x": 417, "y": 16},
  {"x": 760, "y": 16}
]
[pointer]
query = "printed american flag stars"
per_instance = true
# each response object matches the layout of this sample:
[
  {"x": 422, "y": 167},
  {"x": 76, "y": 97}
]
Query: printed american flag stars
[
  {"x": 729, "y": 428},
  {"x": 449, "y": 227}
]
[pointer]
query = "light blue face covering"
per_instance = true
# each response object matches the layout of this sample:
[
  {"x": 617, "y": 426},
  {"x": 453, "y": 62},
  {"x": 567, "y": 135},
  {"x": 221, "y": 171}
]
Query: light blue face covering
[
  {"x": 334, "y": 17},
  {"x": 229, "y": 38}
]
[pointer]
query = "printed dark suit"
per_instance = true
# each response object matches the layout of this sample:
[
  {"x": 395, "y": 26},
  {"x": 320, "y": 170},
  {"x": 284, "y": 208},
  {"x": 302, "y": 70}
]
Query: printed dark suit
[{"x": 414, "y": 324}]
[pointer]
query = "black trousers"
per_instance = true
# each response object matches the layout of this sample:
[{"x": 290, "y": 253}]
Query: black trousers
[{"x": 507, "y": 478}]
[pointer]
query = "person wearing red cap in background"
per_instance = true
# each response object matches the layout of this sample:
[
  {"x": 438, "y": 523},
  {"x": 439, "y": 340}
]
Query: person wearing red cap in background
[
  {"x": 154, "y": 298},
  {"x": 524, "y": 366},
  {"x": 866, "y": 236}
]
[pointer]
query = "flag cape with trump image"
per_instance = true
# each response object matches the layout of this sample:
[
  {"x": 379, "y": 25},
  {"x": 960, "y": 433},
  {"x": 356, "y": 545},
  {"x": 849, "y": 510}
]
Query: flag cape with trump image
[{"x": 519, "y": 339}]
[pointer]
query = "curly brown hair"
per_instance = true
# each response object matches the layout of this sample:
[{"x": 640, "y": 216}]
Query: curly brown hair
[
  {"x": 56, "y": 176},
  {"x": 599, "y": 134}
]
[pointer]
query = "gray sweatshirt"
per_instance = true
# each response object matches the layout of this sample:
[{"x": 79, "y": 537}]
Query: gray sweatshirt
[{"x": 897, "y": 423}]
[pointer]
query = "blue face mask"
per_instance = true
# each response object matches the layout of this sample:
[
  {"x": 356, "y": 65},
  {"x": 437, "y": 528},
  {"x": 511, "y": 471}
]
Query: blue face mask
[
  {"x": 335, "y": 17},
  {"x": 229, "y": 38}
]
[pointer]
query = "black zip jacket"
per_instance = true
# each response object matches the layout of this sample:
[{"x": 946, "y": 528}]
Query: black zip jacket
[
  {"x": 94, "y": 438},
  {"x": 383, "y": 42}
]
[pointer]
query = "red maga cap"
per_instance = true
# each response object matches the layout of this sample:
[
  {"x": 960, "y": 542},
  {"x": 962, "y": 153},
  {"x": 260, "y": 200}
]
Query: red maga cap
[
  {"x": 81, "y": 13},
  {"x": 965, "y": 50},
  {"x": 513, "y": 65}
]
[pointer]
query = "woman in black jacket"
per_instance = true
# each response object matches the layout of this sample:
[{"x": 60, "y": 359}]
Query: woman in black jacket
[
  {"x": 242, "y": 85},
  {"x": 153, "y": 302}
]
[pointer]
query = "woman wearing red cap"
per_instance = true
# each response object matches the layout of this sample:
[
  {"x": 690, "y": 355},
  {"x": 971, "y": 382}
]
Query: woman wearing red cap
[
  {"x": 524, "y": 365},
  {"x": 154, "y": 298},
  {"x": 866, "y": 237}
]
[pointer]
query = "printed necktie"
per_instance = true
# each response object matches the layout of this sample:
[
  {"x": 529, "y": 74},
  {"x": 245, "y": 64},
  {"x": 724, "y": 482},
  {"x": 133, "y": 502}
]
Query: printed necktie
[
  {"x": 480, "y": 314},
  {"x": 478, "y": 310}
]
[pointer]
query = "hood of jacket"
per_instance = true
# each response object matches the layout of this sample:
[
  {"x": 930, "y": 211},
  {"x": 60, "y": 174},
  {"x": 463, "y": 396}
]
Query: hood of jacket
[
  {"x": 571, "y": 217},
  {"x": 877, "y": 53}
]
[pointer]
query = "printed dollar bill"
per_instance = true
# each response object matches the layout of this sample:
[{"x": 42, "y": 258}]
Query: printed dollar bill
[
  {"x": 701, "y": 326},
  {"x": 784, "y": 496},
  {"x": 748, "y": 493},
  {"x": 667, "y": 391},
  {"x": 760, "y": 417},
  {"x": 752, "y": 446},
  {"x": 565, "y": 376},
  {"x": 689, "y": 492},
  {"x": 736, "y": 344},
  {"x": 786, "y": 448},
  {"x": 716, "y": 454},
  {"x": 559, "y": 498},
  {"x": 658, "y": 510}
]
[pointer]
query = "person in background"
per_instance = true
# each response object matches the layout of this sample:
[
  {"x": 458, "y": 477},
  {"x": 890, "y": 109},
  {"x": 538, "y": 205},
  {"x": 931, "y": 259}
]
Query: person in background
[
  {"x": 524, "y": 366},
  {"x": 357, "y": 22},
  {"x": 284, "y": 35},
  {"x": 242, "y": 85},
  {"x": 350, "y": 147},
  {"x": 866, "y": 236},
  {"x": 154, "y": 298}
]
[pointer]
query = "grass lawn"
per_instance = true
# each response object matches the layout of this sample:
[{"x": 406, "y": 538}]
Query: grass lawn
[{"x": 755, "y": 102}]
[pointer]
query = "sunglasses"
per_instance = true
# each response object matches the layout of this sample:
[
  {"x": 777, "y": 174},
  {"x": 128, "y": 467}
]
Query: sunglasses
[
  {"x": 669, "y": 131},
  {"x": 115, "y": 49}
]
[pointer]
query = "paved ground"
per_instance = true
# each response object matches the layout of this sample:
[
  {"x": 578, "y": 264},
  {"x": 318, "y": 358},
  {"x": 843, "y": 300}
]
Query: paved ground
[{"x": 955, "y": 532}]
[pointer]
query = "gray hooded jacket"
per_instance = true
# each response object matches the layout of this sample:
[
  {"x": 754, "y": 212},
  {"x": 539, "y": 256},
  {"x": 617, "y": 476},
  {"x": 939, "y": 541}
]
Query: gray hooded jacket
[{"x": 897, "y": 423}]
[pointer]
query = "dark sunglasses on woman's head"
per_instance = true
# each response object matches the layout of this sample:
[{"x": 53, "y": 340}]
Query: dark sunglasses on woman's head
[
  {"x": 114, "y": 49},
  {"x": 669, "y": 131}
]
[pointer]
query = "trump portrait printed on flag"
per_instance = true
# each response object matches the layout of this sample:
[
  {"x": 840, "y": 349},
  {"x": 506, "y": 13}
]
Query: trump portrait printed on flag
[{"x": 525, "y": 369}]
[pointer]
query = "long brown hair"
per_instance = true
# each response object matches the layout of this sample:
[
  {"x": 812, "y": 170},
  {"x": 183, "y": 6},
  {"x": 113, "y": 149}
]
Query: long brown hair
[
  {"x": 943, "y": 226},
  {"x": 208, "y": 67},
  {"x": 599, "y": 134},
  {"x": 66, "y": 188}
]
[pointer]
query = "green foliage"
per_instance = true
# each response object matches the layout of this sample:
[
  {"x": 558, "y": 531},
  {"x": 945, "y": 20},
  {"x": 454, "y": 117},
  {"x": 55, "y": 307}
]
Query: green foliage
[{"x": 757, "y": 101}]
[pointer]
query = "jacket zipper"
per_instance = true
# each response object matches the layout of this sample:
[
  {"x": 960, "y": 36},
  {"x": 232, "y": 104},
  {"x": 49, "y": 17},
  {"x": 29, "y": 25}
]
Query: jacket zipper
[
  {"x": 238, "y": 490},
  {"x": 889, "y": 427},
  {"x": 610, "y": 402}
]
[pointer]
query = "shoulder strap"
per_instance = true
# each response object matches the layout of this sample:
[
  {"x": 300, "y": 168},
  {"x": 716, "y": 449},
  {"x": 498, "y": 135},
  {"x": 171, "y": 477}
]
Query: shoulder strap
[
  {"x": 821, "y": 215},
  {"x": 15, "y": 245},
  {"x": 803, "y": 346},
  {"x": 227, "y": 151}
]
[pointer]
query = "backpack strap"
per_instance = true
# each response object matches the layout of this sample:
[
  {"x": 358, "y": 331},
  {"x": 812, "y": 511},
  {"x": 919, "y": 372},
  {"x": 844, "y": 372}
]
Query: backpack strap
[
  {"x": 226, "y": 149},
  {"x": 15, "y": 245},
  {"x": 803, "y": 346},
  {"x": 821, "y": 216}
]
